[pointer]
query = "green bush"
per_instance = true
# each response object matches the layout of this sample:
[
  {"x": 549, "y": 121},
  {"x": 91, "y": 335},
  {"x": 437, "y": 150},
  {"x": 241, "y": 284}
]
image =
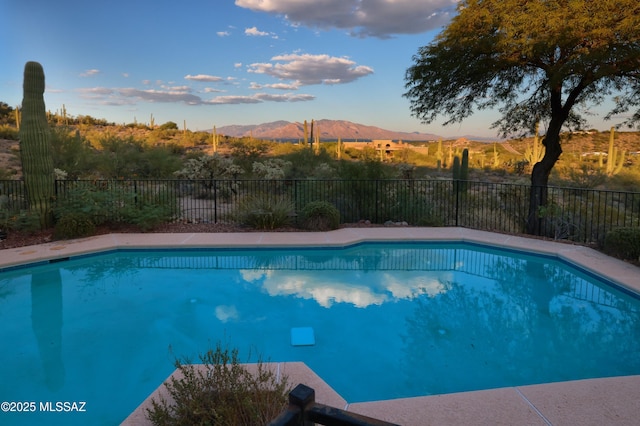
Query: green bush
[
  {"x": 623, "y": 243},
  {"x": 116, "y": 202},
  {"x": 264, "y": 211},
  {"x": 320, "y": 216},
  {"x": 23, "y": 221},
  {"x": 147, "y": 215},
  {"x": 73, "y": 225},
  {"x": 220, "y": 392}
]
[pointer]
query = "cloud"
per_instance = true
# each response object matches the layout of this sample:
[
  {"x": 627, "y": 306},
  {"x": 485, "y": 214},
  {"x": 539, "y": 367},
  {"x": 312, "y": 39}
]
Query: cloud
[
  {"x": 211, "y": 90},
  {"x": 223, "y": 33},
  {"x": 267, "y": 97},
  {"x": 203, "y": 77},
  {"x": 259, "y": 98},
  {"x": 307, "y": 69},
  {"x": 95, "y": 91},
  {"x": 335, "y": 287},
  {"x": 277, "y": 86},
  {"x": 90, "y": 73},
  {"x": 363, "y": 18},
  {"x": 161, "y": 95},
  {"x": 255, "y": 32},
  {"x": 177, "y": 88},
  {"x": 164, "y": 93}
]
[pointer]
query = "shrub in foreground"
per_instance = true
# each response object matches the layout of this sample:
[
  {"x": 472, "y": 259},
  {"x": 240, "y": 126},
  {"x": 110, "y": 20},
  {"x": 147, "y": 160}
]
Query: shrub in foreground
[
  {"x": 220, "y": 392},
  {"x": 623, "y": 243},
  {"x": 320, "y": 216},
  {"x": 74, "y": 225},
  {"x": 264, "y": 211}
]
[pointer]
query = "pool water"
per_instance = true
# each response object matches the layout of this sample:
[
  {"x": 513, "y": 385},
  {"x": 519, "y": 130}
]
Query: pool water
[{"x": 390, "y": 320}]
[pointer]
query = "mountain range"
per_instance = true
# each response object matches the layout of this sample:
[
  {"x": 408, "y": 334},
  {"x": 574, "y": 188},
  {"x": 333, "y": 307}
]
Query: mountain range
[{"x": 329, "y": 130}]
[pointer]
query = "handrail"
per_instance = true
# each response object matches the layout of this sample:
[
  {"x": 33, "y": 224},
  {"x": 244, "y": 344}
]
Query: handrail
[{"x": 304, "y": 411}]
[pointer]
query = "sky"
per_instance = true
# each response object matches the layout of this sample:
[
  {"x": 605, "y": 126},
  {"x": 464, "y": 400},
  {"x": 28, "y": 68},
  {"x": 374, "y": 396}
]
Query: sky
[{"x": 227, "y": 62}]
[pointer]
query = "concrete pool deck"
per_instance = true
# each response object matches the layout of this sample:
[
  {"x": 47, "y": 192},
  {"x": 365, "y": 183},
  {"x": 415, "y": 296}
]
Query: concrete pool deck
[{"x": 609, "y": 401}]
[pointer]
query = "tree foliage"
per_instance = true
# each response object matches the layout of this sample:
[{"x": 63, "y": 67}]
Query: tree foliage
[
  {"x": 534, "y": 59},
  {"x": 542, "y": 60}
]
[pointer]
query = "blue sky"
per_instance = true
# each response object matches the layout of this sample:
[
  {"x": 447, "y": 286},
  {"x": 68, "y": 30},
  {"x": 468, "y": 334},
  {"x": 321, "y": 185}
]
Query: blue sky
[{"x": 223, "y": 62}]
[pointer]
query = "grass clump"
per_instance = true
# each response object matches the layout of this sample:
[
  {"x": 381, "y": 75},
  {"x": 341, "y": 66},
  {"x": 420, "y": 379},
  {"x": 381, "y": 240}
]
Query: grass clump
[
  {"x": 220, "y": 392},
  {"x": 320, "y": 216},
  {"x": 264, "y": 211}
]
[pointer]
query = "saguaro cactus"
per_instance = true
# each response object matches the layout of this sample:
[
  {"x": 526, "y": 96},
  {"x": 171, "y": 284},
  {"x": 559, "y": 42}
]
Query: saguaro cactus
[
  {"x": 460, "y": 171},
  {"x": 614, "y": 165},
  {"x": 35, "y": 145},
  {"x": 316, "y": 142},
  {"x": 306, "y": 133},
  {"x": 17, "y": 112},
  {"x": 464, "y": 166},
  {"x": 496, "y": 156},
  {"x": 534, "y": 153},
  {"x": 439, "y": 154},
  {"x": 214, "y": 140}
]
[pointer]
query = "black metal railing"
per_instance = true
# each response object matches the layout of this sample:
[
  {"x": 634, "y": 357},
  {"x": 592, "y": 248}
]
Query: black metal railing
[
  {"x": 580, "y": 215},
  {"x": 303, "y": 410}
]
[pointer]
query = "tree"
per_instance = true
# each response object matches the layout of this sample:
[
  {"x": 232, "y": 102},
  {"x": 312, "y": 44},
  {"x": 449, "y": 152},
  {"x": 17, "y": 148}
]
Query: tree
[{"x": 535, "y": 61}]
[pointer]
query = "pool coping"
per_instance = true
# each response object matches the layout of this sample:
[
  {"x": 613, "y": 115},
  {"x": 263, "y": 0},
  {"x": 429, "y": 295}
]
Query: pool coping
[{"x": 586, "y": 402}]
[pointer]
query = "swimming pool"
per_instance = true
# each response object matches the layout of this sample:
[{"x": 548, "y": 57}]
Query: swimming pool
[{"x": 390, "y": 320}]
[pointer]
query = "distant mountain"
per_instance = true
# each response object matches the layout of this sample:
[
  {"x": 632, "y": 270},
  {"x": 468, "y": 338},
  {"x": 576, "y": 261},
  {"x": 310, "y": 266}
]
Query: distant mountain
[{"x": 329, "y": 129}]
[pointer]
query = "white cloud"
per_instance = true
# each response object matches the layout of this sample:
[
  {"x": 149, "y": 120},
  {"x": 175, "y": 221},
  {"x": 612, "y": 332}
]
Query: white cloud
[
  {"x": 90, "y": 73},
  {"x": 223, "y": 33},
  {"x": 364, "y": 18},
  {"x": 253, "y": 31},
  {"x": 177, "y": 88},
  {"x": 202, "y": 77},
  {"x": 345, "y": 287},
  {"x": 226, "y": 313},
  {"x": 231, "y": 99},
  {"x": 212, "y": 90},
  {"x": 277, "y": 86},
  {"x": 259, "y": 98},
  {"x": 160, "y": 95},
  {"x": 307, "y": 69},
  {"x": 95, "y": 91}
]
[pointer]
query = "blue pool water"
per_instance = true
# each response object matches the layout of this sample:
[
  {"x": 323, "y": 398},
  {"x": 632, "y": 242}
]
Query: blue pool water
[{"x": 390, "y": 320}]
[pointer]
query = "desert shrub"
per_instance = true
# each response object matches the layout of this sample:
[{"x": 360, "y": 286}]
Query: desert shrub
[
  {"x": 220, "y": 392},
  {"x": 8, "y": 132},
  {"x": 320, "y": 216},
  {"x": 623, "y": 243},
  {"x": 22, "y": 221},
  {"x": 87, "y": 199},
  {"x": 116, "y": 202},
  {"x": 74, "y": 225},
  {"x": 264, "y": 211},
  {"x": 73, "y": 153},
  {"x": 271, "y": 169},
  {"x": 305, "y": 164},
  {"x": 146, "y": 214}
]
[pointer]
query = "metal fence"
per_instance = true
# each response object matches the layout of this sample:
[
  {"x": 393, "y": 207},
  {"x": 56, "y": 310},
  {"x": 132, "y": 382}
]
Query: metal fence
[{"x": 581, "y": 215}]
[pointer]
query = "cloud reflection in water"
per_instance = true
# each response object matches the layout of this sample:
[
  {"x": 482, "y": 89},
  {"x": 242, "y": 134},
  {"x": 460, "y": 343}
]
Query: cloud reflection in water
[{"x": 358, "y": 288}]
